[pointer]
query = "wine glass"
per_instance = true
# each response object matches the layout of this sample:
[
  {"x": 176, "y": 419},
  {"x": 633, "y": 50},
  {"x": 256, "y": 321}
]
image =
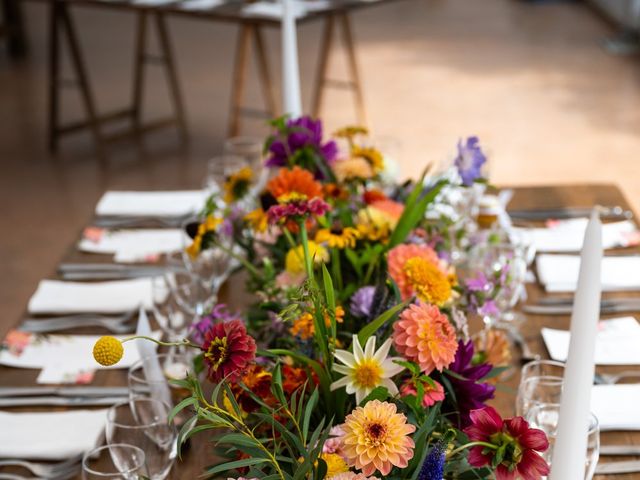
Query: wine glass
[
  {"x": 538, "y": 390},
  {"x": 118, "y": 461},
  {"x": 219, "y": 168},
  {"x": 144, "y": 422},
  {"x": 545, "y": 417},
  {"x": 250, "y": 150},
  {"x": 175, "y": 302},
  {"x": 542, "y": 368}
]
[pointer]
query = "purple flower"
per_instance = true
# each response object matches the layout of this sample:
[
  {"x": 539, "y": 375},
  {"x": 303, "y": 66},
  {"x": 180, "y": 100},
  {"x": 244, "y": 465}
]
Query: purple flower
[
  {"x": 303, "y": 132},
  {"x": 489, "y": 309},
  {"x": 470, "y": 394},
  {"x": 479, "y": 283},
  {"x": 469, "y": 160},
  {"x": 433, "y": 466},
  {"x": 362, "y": 301},
  {"x": 219, "y": 313}
]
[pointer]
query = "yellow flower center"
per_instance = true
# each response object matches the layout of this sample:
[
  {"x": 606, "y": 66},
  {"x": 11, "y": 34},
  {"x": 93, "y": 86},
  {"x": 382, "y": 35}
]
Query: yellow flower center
[
  {"x": 367, "y": 374},
  {"x": 108, "y": 351},
  {"x": 376, "y": 433},
  {"x": 428, "y": 281},
  {"x": 292, "y": 197},
  {"x": 217, "y": 352}
]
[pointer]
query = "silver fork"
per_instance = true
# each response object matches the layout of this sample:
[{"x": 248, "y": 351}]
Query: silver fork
[
  {"x": 119, "y": 324},
  {"x": 64, "y": 469}
]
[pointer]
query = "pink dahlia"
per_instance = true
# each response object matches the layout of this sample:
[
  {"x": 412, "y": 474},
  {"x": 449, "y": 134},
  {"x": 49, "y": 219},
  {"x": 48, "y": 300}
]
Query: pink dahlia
[
  {"x": 228, "y": 350},
  {"x": 518, "y": 443},
  {"x": 423, "y": 334}
]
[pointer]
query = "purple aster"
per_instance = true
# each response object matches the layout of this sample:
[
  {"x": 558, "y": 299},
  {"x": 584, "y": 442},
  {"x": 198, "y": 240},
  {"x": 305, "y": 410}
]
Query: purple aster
[
  {"x": 300, "y": 133},
  {"x": 433, "y": 466},
  {"x": 470, "y": 160},
  {"x": 470, "y": 394},
  {"x": 362, "y": 301}
]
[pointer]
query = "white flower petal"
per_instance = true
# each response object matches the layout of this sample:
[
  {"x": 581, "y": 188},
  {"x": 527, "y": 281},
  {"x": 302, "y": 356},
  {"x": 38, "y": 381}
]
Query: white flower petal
[
  {"x": 390, "y": 369},
  {"x": 342, "y": 369},
  {"x": 391, "y": 386},
  {"x": 345, "y": 357},
  {"x": 370, "y": 347},
  {"x": 357, "y": 350},
  {"x": 382, "y": 353},
  {"x": 361, "y": 393},
  {"x": 339, "y": 383}
]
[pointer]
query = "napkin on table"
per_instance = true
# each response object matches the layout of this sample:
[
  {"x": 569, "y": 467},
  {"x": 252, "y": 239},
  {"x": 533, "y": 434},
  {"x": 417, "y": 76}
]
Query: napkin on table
[
  {"x": 50, "y": 435},
  {"x": 567, "y": 235},
  {"x": 55, "y": 296},
  {"x": 616, "y": 406},
  {"x": 559, "y": 273},
  {"x": 275, "y": 9},
  {"x": 200, "y": 4},
  {"x": 135, "y": 244},
  {"x": 155, "y": 203},
  {"x": 617, "y": 342}
]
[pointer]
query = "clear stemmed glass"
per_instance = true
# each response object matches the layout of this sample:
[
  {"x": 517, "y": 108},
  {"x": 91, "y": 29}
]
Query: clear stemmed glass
[
  {"x": 545, "y": 417},
  {"x": 538, "y": 390},
  {"x": 250, "y": 150},
  {"x": 118, "y": 461},
  {"x": 144, "y": 422},
  {"x": 175, "y": 302},
  {"x": 219, "y": 168}
]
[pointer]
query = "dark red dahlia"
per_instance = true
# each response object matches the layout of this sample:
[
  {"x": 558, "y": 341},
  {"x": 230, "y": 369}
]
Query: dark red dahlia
[
  {"x": 228, "y": 350},
  {"x": 517, "y": 446}
]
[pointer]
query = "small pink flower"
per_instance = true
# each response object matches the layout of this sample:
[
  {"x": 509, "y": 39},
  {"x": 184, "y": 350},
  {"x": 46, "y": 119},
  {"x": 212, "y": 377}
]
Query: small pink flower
[{"x": 432, "y": 393}]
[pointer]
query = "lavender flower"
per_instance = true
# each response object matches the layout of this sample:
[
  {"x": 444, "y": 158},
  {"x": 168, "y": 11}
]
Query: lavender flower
[
  {"x": 470, "y": 160},
  {"x": 362, "y": 301},
  {"x": 470, "y": 393},
  {"x": 433, "y": 466},
  {"x": 301, "y": 133}
]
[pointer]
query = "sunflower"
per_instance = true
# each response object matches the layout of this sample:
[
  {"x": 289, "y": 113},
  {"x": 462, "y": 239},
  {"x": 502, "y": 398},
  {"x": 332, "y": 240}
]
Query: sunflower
[
  {"x": 237, "y": 184},
  {"x": 203, "y": 233},
  {"x": 257, "y": 219},
  {"x": 338, "y": 237},
  {"x": 372, "y": 155}
]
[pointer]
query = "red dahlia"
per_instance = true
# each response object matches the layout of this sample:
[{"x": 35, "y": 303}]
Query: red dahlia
[
  {"x": 517, "y": 446},
  {"x": 228, "y": 350}
]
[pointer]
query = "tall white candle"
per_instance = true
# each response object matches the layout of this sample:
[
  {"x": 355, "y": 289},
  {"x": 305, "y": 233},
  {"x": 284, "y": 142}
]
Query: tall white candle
[
  {"x": 570, "y": 449},
  {"x": 292, "y": 103}
]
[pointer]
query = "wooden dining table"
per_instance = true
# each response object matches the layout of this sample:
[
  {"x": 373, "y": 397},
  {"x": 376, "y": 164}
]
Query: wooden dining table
[{"x": 199, "y": 454}]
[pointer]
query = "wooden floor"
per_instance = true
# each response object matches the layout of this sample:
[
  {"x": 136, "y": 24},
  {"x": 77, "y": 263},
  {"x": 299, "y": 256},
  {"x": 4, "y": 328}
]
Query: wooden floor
[{"x": 530, "y": 78}]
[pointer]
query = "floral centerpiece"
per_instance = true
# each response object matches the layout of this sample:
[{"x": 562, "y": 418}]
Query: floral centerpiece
[{"x": 355, "y": 360}]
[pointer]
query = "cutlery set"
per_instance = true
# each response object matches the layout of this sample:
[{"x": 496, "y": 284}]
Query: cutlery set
[
  {"x": 115, "y": 324},
  {"x": 564, "y": 306},
  {"x": 61, "y": 396},
  {"x": 53, "y": 471},
  {"x": 107, "y": 271}
]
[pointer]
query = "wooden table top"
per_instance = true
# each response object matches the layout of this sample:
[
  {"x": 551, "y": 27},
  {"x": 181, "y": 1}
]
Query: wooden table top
[{"x": 199, "y": 455}]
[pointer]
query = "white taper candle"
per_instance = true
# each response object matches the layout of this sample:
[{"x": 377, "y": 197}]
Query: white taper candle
[
  {"x": 570, "y": 449},
  {"x": 292, "y": 104}
]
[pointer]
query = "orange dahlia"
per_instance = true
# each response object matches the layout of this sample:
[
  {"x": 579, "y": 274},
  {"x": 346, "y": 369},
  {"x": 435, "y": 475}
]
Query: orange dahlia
[
  {"x": 423, "y": 334},
  {"x": 417, "y": 271},
  {"x": 295, "y": 184},
  {"x": 376, "y": 437}
]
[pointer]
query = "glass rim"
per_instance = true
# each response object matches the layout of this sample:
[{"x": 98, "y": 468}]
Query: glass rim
[
  {"x": 89, "y": 454},
  {"x": 543, "y": 379},
  {"x": 542, "y": 361},
  {"x": 594, "y": 424},
  {"x": 139, "y": 364},
  {"x": 127, "y": 403}
]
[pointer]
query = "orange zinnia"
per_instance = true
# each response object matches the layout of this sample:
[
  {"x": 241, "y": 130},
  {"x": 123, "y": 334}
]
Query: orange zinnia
[{"x": 295, "y": 184}]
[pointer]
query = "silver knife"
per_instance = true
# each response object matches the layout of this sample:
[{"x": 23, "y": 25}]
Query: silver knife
[
  {"x": 620, "y": 450},
  {"x": 610, "y": 468},
  {"x": 59, "y": 401},
  {"x": 64, "y": 391}
]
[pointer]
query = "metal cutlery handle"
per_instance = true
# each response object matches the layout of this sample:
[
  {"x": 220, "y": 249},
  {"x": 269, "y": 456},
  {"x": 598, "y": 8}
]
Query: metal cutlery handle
[{"x": 59, "y": 401}]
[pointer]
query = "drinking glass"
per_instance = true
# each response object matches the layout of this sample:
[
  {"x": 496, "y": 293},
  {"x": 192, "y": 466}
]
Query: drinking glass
[
  {"x": 175, "y": 302},
  {"x": 250, "y": 150},
  {"x": 545, "y": 417},
  {"x": 536, "y": 390},
  {"x": 219, "y": 168},
  {"x": 118, "y": 461},
  {"x": 144, "y": 422},
  {"x": 542, "y": 368}
]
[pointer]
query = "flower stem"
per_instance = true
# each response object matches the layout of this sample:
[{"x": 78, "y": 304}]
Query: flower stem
[
  {"x": 472, "y": 444},
  {"x": 183, "y": 343},
  {"x": 304, "y": 237}
]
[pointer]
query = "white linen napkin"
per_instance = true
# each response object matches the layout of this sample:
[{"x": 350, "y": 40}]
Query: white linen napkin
[
  {"x": 559, "y": 273},
  {"x": 50, "y": 435},
  {"x": 66, "y": 353},
  {"x": 617, "y": 342},
  {"x": 616, "y": 406},
  {"x": 567, "y": 235},
  {"x": 275, "y": 9},
  {"x": 156, "y": 203},
  {"x": 200, "y": 4},
  {"x": 136, "y": 244},
  {"x": 55, "y": 296}
]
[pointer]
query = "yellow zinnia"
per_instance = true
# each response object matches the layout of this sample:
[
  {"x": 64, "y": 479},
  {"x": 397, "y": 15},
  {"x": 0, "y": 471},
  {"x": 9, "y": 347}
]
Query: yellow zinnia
[
  {"x": 294, "y": 261},
  {"x": 429, "y": 282},
  {"x": 335, "y": 464},
  {"x": 371, "y": 155}
]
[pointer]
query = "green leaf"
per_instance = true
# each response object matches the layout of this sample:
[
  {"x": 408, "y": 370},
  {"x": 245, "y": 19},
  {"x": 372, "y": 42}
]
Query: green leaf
[
  {"x": 245, "y": 462},
  {"x": 378, "y": 393},
  {"x": 189, "y": 401},
  {"x": 313, "y": 400},
  {"x": 372, "y": 327}
]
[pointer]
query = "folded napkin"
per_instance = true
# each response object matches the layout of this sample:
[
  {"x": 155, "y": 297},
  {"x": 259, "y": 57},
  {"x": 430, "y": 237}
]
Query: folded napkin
[
  {"x": 275, "y": 9},
  {"x": 559, "y": 273},
  {"x": 617, "y": 342},
  {"x": 134, "y": 245},
  {"x": 616, "y": 406},
  {"x": 567, "y": 235},
  {"x": 54, "y": 296},
  {"x": 65, "y": 353},
  {"x": 50, "y": 435},
  {"x": 157, "y": 203},
  {"x": 201, "y": 4}
]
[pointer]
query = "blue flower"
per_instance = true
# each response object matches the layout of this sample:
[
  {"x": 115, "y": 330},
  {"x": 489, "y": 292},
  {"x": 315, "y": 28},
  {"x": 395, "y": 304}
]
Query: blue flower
[
  {"x": 470, "y": 160},
  {"x": 433, "y": 466}
]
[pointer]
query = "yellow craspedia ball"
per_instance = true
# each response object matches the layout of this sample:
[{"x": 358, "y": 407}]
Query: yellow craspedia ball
[{"x": 108, "y": 351}]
